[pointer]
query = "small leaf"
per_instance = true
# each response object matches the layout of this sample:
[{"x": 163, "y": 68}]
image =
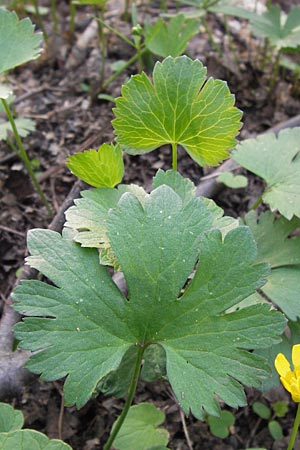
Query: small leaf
[
  {"x": 280, "y": 408},
  {"x": 118, "y": 381},
  {"x": 278, "y": 248},
  {"x": 184, "y": 187},
  {"x": 30, "y": 439},
  {"x": 232, "y": 181},
  {"x": 5, "y": 92},
  {"x": 24, "y": 127},
  {"x": 18, "y": 42},
  {"x": 277, "y": 161},
  {"x": 154, "y": 363},
  {"x": 220, "y": 426},
  {"x": 139, "y": 430},
  {"x": 10, "y": 418},
  {"x": 275, "y": 430},
  {"x": 180, "y": 107},
  {"x": 261, "y": 410},
  {"x": 164, "y": 39},
  {"x": 100, "y": 168},
  {"x": 281, "y": 30}
]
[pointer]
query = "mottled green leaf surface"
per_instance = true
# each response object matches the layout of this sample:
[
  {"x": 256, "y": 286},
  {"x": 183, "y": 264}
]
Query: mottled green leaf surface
[
  {"x": 10, "y": 418},
  {"x": 180, "y": 107},
  {"x": 99, "y": 168},
  {"x": 277, "y": 161},
  {"x": 278, "y": 247},
  {"x": 140, "y": 429},
  {"x": 164, "y": 39},
  {"x": 18, "y": 42},
  {"x": 84, "y": 325}
]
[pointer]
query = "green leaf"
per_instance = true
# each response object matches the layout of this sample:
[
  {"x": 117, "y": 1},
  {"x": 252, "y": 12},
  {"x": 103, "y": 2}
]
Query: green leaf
[
  {"x": 24, "y": 127},
  {"x": 277, "y": 161},
  {"x": 277, "y": 247},
  {"x": 10, "y": 418},
  {"x": 275, "y": 430},
  {"x": 184, "y": 187},
  {"x": 261, "y": 410},
  {"x": 180, "y": 107},
  {"x": 158, "y": 243},
  {"x": 229, "y": 8},
  {"x": 220, "y": 426},
  {"x": 88, "y": 219},
  {"x": 280, "y": 408},
  {"x": 139, "y": 430},
  {"x": 30, "y": 439},
  {"x": 281, "y": 30},
  {"x": 18, "y": 42},
  {"x": 117, "y": 382},
  {"x": 89, "y": 337},
  {"x": 5, "y": 92},
  {"x": 100, "y": 168},
  {"x": 154, "y": 366},
  {"x": 170, "y": 39},
  {"x": 232, "y": 181}
]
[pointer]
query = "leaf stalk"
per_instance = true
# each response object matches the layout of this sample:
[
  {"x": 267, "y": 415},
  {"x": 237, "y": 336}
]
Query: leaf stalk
[
  {"x": 131, "y": 393},
  {"x": 23, "y": 155},
  {"x": 295, "y": 429},
  {"x": 174, "y": 156}
]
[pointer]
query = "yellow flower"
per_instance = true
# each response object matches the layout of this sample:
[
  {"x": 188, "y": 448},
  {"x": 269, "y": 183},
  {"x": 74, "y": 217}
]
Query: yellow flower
[{"x": 290, "y": 378}]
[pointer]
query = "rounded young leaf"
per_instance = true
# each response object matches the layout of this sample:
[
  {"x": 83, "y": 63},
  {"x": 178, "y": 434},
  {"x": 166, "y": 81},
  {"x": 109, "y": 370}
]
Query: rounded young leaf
[
  {"x": 180, "y": 107},
  {"x": 18, "y": 42},
  {"x": 30, "y": 440},
  {"x": 10, "y": 418},
  {"x": 103, "y": 168},
  {"x": 139, "y": 430}
]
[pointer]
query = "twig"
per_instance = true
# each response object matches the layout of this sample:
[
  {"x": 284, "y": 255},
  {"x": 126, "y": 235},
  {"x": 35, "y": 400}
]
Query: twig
[
  {"x": 12, "y": 231},
  {"x": 183, "y": 421}
]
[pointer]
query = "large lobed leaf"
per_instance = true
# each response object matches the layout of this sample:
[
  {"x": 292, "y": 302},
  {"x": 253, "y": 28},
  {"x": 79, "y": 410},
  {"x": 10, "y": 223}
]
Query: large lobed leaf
[
  {"x": 277, "y": 161},
  {"x": 18, "y": 42},
  {"x": 180, "y": 107},
  {"x": 84, "y": 325}
]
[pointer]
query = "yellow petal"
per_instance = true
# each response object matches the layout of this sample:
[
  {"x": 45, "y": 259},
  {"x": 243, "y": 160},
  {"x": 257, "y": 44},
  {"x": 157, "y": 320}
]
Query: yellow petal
[
  {"x": 286, "y": 384},
  {"x": 282, "y": 365},
  {"x": 296, "y": 356}
]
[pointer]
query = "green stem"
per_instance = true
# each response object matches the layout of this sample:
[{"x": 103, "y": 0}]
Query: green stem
[
  {"x": 129, "y": 399},
  {"x": 295, "y": 429},
  {"x": 174, "y": 156},
  {"x": 210, "y": 36},
  {"x": 124, "y": 67},
  {"x": 54, "y": 16},
  {"x": 40, "y": 20},
  {"x": 72, "y": 17},
  {"x": 275, "y": 71},
  {"x": 256, "y": 203},
  {"x": 23, "y": 155},
  {"x": 102, "y": 41},
  {"x": 116, "y": 32}
]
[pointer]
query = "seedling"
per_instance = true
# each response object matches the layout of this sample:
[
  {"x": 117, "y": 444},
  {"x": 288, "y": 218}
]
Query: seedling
[
  {"x": 221, "y": 426},
  {"x": 279, "y": 409},
  {"x": 24, "y": 46}
]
